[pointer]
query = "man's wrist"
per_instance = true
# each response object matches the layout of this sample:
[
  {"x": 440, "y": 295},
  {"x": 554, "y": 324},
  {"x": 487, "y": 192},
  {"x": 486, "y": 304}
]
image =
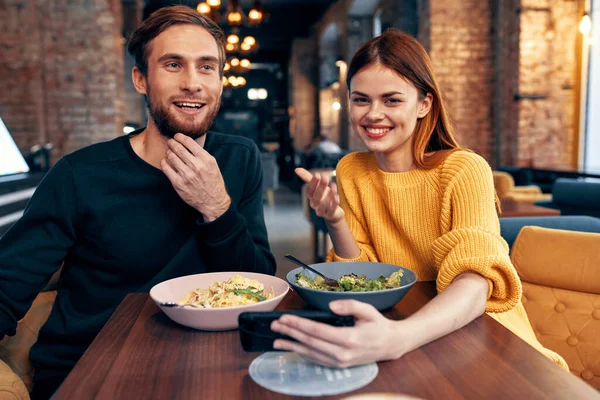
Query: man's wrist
[{"x": 212, "y": 215}]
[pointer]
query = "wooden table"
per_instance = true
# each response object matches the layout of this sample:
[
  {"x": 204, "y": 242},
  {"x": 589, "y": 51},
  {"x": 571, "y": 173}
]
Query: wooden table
[
  {"x": 141, "y": 354},
  {"x": 511, "y": 208}
]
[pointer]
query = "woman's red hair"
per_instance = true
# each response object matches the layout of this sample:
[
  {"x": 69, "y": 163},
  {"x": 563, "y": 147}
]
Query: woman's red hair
[{"x": 434, "y": 135}]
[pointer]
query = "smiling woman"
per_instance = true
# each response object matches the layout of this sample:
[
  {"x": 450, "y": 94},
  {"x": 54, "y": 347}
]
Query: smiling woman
[{"x": 416, "y": 200}]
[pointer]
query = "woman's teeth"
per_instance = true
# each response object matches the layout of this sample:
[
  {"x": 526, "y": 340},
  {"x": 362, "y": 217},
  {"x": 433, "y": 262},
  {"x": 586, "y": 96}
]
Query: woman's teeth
[{"x": 377, "y": 131}]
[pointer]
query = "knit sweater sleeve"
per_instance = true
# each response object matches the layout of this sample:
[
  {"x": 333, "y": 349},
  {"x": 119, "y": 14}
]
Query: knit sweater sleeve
[
  {"x": 472, "y": 241},
  {"x": 35, "y": 246},
  {"x": 349, "y": 175}
]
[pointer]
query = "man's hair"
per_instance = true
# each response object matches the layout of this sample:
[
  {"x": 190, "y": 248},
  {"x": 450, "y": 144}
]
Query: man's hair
[{"x": 164, "y": 18}]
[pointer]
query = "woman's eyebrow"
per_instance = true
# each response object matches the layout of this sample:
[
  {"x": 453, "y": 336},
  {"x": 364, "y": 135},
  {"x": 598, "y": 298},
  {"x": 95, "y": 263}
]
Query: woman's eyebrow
[{"x": 388, "y": 94}]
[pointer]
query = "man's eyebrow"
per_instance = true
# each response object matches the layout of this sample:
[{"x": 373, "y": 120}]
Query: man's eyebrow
[
  {"x": 208, "y": 58},
  {"x": 179, "y": 57},
  {"x": 170, "y": 56}
]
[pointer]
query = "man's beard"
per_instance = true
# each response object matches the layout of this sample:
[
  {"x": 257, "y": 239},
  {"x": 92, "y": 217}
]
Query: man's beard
[{"x": 168, "y": 125}]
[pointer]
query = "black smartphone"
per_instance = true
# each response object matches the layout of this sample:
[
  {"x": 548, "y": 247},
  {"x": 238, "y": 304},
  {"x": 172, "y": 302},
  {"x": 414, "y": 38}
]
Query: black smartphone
[{"x": 255, "y": 327}]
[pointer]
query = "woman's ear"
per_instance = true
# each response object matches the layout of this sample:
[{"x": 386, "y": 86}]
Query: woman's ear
[
  {"x": 425, "y": 106},
  {"x": 139, "y": 81}
]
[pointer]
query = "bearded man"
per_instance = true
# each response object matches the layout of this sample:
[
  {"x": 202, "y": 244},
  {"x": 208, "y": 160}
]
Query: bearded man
[{"x": 169, "y": 200}]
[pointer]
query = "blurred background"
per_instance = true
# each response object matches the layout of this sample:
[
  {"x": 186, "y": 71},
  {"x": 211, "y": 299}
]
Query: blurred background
[{"x": 521, "y": 78}]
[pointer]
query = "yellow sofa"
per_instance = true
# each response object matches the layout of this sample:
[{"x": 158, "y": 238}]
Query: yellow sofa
[
  {"x": 560, "y": 271},
  {"x": 506, "y": 189},
  {"x": 16, "y": 372}
]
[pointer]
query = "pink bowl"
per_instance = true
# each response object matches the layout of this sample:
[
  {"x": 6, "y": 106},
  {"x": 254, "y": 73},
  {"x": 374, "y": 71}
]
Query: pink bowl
[{"x": 213, "y": 319}]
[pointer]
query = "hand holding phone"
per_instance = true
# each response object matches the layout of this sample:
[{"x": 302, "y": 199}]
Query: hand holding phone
[{"x": 255, "y": 327}]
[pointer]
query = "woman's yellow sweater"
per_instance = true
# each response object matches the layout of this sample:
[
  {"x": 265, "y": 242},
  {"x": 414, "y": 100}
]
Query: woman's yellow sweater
[{"x": 439, "y": 223}]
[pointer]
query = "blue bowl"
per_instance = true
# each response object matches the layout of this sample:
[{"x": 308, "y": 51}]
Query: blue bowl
[{"x": 380, "y": 299}]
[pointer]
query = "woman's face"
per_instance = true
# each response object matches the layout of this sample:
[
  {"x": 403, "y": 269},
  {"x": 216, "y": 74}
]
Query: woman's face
[{"x": 384, "y": 109}]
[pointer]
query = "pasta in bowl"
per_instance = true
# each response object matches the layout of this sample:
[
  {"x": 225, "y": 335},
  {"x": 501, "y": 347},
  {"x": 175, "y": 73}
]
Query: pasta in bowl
[
  {"x": 234, "y": 292},
  {"x": 213, "y": 301}
]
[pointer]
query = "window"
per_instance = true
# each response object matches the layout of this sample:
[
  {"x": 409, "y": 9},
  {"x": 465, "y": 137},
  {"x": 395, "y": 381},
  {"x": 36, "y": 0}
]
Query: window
[
  {"x": 591, "y": 160},
  {"x": 377, "y": 28},
  {"x": 11, "y": 160}
]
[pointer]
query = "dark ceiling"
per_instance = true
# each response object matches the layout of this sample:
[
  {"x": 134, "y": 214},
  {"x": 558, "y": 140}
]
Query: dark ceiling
[{"x": 288, "y": 19}]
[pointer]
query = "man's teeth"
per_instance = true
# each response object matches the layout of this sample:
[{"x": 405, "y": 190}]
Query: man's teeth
[
  {"x": 377, "y": 131},
  {"x": 188, "y": 105}
]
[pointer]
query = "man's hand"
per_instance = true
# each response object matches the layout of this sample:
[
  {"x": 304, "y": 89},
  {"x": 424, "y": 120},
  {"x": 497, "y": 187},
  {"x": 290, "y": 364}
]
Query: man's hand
[{"x": 196, "y": 177}]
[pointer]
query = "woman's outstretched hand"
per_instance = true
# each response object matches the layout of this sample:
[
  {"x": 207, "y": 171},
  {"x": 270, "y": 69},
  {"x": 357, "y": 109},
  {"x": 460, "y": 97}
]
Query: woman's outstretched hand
[
  {"x": 322, "y": 195},
  {"x": 372, "y": 338}
]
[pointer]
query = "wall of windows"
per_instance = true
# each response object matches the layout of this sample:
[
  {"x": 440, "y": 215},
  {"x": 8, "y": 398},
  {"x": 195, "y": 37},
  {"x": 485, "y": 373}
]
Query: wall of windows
[{"x": 11, "y": 160}]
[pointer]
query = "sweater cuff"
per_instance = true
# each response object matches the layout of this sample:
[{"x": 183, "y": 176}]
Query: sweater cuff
[
  {"x": 222, "y": 228},
  {"x": 332, "y": 256},
  {"x": 504, "y": 286}
]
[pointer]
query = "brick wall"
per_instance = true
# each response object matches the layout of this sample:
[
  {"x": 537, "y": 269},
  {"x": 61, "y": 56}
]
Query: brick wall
[
  {"x": 135, "y": 109},
  {"x": 22, "y": 100},
  {"x": 61, "y": 72},
  {"x": 303, "y": 91},
  {"x": 462, "y": 56},
  {"x": 547, "y": 70}
]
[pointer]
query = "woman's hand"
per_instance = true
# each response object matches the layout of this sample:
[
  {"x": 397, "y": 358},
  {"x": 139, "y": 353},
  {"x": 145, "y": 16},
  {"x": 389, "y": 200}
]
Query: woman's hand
[
  {"x": 323, "y": 197},
  {"x": 372, "y": 338}
]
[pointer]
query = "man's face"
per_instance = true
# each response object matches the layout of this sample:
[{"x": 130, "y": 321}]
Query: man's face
[{"x": 183, "y": 87}]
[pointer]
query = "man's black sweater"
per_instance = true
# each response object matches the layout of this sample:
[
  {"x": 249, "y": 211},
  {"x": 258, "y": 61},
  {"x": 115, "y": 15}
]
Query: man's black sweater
[{"x": 119, "y": 227}]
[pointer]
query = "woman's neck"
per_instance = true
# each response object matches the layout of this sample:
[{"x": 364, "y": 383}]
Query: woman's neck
[{"x": 397, "y": 160}]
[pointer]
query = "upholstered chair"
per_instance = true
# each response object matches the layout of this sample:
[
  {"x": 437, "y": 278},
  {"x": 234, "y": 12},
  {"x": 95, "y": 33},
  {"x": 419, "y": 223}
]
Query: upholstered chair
[
  {"x": 506, "y": 189},
  {"x": 560, "y": 271}
]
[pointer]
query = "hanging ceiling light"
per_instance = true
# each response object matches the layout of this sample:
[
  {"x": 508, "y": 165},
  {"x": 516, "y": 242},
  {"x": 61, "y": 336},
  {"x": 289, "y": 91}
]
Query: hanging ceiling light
[
  {"x": 248, "y": 44},
  {"x": 233, "y": 39},
  {"x": 234, "y": 15},
  {"x": 237, "y": 65},
  {"x": 234, "y": 18},
  {"x": 262, "y": 93},
  {"x": 256, "y": 13},
  {"x": 203, "y": 8},
  {"x": 250, "y": 40},
  {"x": 234, "y": 12},
  {"x": 230, "y": 47},
  {"x": 245, "y": 63},
  {"x": 585, "y": 26}
]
